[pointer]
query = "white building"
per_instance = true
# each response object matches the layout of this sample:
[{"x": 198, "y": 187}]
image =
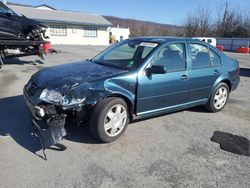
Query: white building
[
  {"x": 208, "y": 40},
  {"x": 119, "y": 34},
  {"x": 67, "y": 27}
]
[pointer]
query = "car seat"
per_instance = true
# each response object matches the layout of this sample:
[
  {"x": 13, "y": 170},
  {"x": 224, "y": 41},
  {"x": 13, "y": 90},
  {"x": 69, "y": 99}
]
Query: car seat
[
  {"x": 173, "y": 60},
  {"x": 202, "y": 60}
]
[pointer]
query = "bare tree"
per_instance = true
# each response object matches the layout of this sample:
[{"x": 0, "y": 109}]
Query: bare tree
[
  {"x": 190, "y": 26},
  {"x": 229, "y": 23},
  {"x": 233, "y": 23},
  {"x": 197, "y": 24}
]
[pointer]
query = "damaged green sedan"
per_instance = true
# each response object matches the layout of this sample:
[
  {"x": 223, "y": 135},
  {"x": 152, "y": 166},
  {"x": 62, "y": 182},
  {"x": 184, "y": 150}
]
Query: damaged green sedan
[{"x": 136, "y": 78}]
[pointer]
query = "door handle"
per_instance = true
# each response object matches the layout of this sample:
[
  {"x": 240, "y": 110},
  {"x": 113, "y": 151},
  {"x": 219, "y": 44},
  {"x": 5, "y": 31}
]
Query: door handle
[
  {"x": 184, "y": 77},
  {"x": 216, "y": 72}
]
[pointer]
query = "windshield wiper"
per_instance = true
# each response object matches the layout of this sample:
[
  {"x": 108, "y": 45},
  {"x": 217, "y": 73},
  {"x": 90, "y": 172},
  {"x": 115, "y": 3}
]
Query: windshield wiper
[
  {"x": 98, "y": 62},
  {"x": 106, "y": 64}
]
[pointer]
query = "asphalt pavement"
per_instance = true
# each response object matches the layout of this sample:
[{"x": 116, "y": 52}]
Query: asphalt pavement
[{"x": 173, "y": 150}]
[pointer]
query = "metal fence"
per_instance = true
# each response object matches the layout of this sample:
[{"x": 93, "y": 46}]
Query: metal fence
[{"x": 230, "y": 44}]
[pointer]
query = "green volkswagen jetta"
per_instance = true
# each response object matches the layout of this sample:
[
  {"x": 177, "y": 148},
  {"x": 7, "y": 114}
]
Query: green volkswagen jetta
[{"x": 136, "y": 78}]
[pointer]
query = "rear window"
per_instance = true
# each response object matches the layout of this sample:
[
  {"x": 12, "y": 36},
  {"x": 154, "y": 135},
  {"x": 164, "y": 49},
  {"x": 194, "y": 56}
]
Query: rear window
[{"x": 215, "y": 58}]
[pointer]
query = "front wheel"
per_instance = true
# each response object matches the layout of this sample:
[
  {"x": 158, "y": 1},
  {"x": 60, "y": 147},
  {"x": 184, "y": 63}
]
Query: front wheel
[
  {"x": 109, "y": 119},
  {"x": 218, "y": 98}
]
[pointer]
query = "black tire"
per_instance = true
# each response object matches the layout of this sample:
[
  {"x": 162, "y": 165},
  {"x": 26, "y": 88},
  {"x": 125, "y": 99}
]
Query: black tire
[
  {"x": 210, "y": 106},
  {"x": 98, "y": 116}
]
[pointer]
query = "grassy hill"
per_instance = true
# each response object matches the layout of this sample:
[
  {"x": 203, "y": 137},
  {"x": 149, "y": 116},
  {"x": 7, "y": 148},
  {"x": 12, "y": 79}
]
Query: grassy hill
[{"x": 145, "y": 28}]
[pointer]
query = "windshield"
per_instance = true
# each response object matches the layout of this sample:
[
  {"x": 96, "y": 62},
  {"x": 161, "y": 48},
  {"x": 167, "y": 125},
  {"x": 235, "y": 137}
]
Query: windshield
[
  {"x": 126, "y": 55},
  {"x": 5, "y": 9}
]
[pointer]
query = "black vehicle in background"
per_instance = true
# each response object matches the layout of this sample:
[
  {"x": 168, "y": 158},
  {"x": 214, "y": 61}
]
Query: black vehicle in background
[
  {"x": 19, "y": 27},
  {"x": 20, "y": 36}
]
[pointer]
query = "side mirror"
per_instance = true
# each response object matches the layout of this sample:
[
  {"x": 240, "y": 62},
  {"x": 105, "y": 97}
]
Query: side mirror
[{"x": 156, "y": 69}]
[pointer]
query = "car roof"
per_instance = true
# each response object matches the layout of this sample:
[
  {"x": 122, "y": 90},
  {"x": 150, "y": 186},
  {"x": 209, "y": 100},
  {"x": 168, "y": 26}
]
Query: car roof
[{"x": 161, "y": 39}]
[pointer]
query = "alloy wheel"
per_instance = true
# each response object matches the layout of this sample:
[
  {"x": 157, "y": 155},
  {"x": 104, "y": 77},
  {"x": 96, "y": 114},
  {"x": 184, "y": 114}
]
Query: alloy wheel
[
  {"x": 220, "y": 98},
  {"x": 115, "y": 120}
]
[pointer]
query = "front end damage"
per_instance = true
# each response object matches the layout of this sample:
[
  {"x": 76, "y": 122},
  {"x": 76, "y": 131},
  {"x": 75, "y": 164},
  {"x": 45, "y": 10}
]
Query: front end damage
[
  {"x": 48, "y": 123},
  {"x": 49, "y": 120},
  {"x": 68, "y": 93}
]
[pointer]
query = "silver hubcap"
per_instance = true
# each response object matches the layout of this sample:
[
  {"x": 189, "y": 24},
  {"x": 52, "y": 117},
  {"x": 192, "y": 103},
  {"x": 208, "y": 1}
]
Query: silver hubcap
[
  {"x": 115, "y": 120},
  {"x": 220, "y": 98}
]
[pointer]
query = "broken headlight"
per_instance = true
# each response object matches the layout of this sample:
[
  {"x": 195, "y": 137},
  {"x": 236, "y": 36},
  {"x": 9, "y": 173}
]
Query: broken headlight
[
  {"x": 55, "y": 97},
  {"x": 51, "y": 96}
]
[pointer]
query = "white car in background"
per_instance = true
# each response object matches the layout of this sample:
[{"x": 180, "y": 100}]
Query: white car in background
[{"x": 208, "y": 40}]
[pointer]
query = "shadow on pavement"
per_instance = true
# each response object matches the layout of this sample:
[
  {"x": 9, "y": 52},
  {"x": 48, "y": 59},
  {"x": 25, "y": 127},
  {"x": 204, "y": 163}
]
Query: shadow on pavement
[
  {"x": 245, "y": 72},
  {"x": 17, "y": 61},
  {"x": 80, "y": 134},
  {"x": 199, "y": 109},
  {"x": 232, "y": 143},
  {"x": 15, "y": 121}
]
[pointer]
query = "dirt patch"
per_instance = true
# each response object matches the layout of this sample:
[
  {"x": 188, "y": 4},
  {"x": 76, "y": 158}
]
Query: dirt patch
[
  {"x": 95, "y": 176},
  {"x": 32, "y": 69},
  {"x": 167, "y": 172},
  {"x": 237, "y": 112}
]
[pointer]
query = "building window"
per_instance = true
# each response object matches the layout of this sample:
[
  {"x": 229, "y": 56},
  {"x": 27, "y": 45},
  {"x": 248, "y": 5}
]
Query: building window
[
  {"x": 90, "y": 32},
  {"x": 58, "y": 30}
]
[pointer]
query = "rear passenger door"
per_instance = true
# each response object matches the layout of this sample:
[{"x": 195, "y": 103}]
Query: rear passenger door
[{"x": 203, "y": 73}]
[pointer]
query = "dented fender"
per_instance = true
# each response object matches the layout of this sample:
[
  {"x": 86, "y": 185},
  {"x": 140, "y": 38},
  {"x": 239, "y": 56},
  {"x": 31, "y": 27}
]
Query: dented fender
[{"x": 88, "y": 94}]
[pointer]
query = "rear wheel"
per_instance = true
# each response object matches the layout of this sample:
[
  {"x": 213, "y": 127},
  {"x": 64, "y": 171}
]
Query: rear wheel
[
  {"x": 218, "y": 98},
  {"x": 109, "y": 119}
]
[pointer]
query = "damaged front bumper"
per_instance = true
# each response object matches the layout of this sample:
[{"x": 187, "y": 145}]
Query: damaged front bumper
[
  {"x": 48, "y": 124},
  {"x": 50, "y": 133}
]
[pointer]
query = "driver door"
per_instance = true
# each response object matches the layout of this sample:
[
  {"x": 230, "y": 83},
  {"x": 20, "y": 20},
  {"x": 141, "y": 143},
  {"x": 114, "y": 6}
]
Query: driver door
[{"x": 163, "y": 92}]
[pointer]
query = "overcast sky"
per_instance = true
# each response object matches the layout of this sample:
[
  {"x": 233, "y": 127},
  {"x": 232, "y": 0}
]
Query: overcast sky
[{"x": 162, "y": 11}]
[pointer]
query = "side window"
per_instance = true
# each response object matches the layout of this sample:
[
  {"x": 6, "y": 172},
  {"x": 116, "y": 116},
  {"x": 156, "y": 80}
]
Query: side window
[
  {"x": 209, "y": 41},
  {"x": 172, "y": 56},
  {"x": 200, "y": 56},
  {"x": 215, "y": 58},
  {"x": 4, "y": 9}
]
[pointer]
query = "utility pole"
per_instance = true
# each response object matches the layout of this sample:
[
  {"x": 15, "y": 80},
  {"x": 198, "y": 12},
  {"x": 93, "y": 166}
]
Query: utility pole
[
  {"x": 225, "y": 13},
  {"x": 224, "y": 18}
]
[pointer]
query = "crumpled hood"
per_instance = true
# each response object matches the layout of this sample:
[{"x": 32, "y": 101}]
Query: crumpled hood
[{"x": 72, "y": 73}]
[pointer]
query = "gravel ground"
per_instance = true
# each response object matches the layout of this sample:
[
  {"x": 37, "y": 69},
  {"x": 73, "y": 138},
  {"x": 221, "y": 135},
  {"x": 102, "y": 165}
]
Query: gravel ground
[{"x": 174, "y": 150}]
